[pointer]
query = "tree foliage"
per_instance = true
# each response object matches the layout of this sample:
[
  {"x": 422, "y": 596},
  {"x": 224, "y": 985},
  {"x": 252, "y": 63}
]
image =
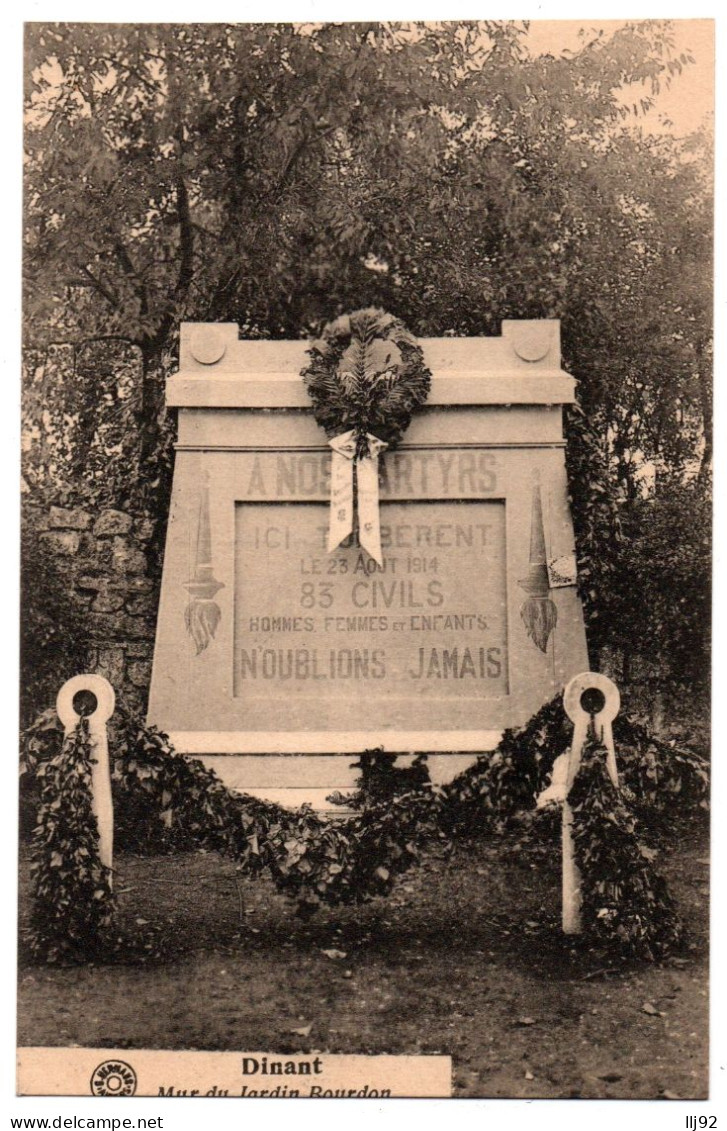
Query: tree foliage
[
  {"x": 275, "y": 175},
  {"x": 53, "y": 628},
  {"x": 662, "y": 582}
]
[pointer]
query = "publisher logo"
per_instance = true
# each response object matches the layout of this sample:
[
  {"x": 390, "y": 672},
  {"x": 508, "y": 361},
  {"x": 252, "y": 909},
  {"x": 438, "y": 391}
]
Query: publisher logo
[{"x": 113, "y": 1078}]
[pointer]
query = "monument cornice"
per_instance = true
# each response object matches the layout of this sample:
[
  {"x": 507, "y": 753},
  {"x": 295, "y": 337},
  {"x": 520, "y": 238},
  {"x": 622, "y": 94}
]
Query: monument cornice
[{"x": 521, "y": 367}]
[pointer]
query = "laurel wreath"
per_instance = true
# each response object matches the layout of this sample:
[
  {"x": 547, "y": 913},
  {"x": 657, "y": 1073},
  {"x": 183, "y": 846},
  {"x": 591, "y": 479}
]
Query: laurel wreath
[{"x": 366, "y": 373}]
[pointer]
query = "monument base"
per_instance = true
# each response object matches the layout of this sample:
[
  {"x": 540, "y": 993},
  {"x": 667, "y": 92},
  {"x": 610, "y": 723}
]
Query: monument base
[{"x": 293, "y": 780}]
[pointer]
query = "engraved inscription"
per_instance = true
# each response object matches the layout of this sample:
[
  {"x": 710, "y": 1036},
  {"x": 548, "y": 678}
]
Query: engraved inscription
[{"x": 430, "y": 622}]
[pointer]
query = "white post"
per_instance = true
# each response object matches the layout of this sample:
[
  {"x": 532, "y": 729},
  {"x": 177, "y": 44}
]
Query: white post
[
  {"x": 571, "y": 880},
  {"x": 581, "y": 718},
  {"x": 101, "y": 802}
]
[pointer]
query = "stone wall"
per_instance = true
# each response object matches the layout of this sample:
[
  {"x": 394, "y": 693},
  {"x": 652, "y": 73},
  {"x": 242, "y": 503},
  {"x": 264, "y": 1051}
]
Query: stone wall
[{"x": 106, "y": 559}]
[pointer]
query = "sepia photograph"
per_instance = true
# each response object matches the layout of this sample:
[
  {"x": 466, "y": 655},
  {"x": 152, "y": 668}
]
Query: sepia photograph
[{"x": 366, "y": 560}]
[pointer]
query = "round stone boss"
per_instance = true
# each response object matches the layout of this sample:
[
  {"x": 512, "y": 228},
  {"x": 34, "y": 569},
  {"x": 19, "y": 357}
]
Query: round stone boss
[
  {"x": 602, "y": 692},
  {"x": 80, "y": 688},
  {"x": 207, "y": 345},
  {"x": 531, "y": 343}
]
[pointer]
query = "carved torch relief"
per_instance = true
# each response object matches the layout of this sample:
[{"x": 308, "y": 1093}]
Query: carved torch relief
[
  {"x": 539, "y": 613},
  {"x": 202, "y": 614}
]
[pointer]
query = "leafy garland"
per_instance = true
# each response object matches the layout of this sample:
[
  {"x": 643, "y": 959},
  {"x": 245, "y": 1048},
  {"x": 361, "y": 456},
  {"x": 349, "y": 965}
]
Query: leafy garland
[
  {"x": 366, "y": 373},
  {"x": 73, "y": 902},
  {"x": 174, "y": 803},
  {"x": 166, "y": 802},
  {"x": 665, "y": 783},
  {"x": 625, "y": 901}
]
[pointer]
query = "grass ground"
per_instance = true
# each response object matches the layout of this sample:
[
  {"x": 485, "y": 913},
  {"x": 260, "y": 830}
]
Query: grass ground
[{"x": 465, "y": 958}]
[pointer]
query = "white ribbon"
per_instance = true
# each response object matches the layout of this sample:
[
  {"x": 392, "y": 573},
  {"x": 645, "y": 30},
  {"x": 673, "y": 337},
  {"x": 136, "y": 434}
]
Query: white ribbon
[
  {"x": 343, "y": 450},
  {"x": 343, "y": 459}
]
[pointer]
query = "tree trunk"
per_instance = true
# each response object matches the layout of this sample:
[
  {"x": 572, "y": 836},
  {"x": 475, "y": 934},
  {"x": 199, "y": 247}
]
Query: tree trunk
[
  {"x": 704, "y": 377},
  {"x": 657, "y": 709},
  {"x": 156, "y": 453},
  {"x": 151, "y": 404}
]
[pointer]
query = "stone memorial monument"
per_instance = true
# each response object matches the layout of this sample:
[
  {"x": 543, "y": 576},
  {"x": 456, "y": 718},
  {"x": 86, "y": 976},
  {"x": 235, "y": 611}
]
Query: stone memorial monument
[{"x": 278, "y": 659}]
